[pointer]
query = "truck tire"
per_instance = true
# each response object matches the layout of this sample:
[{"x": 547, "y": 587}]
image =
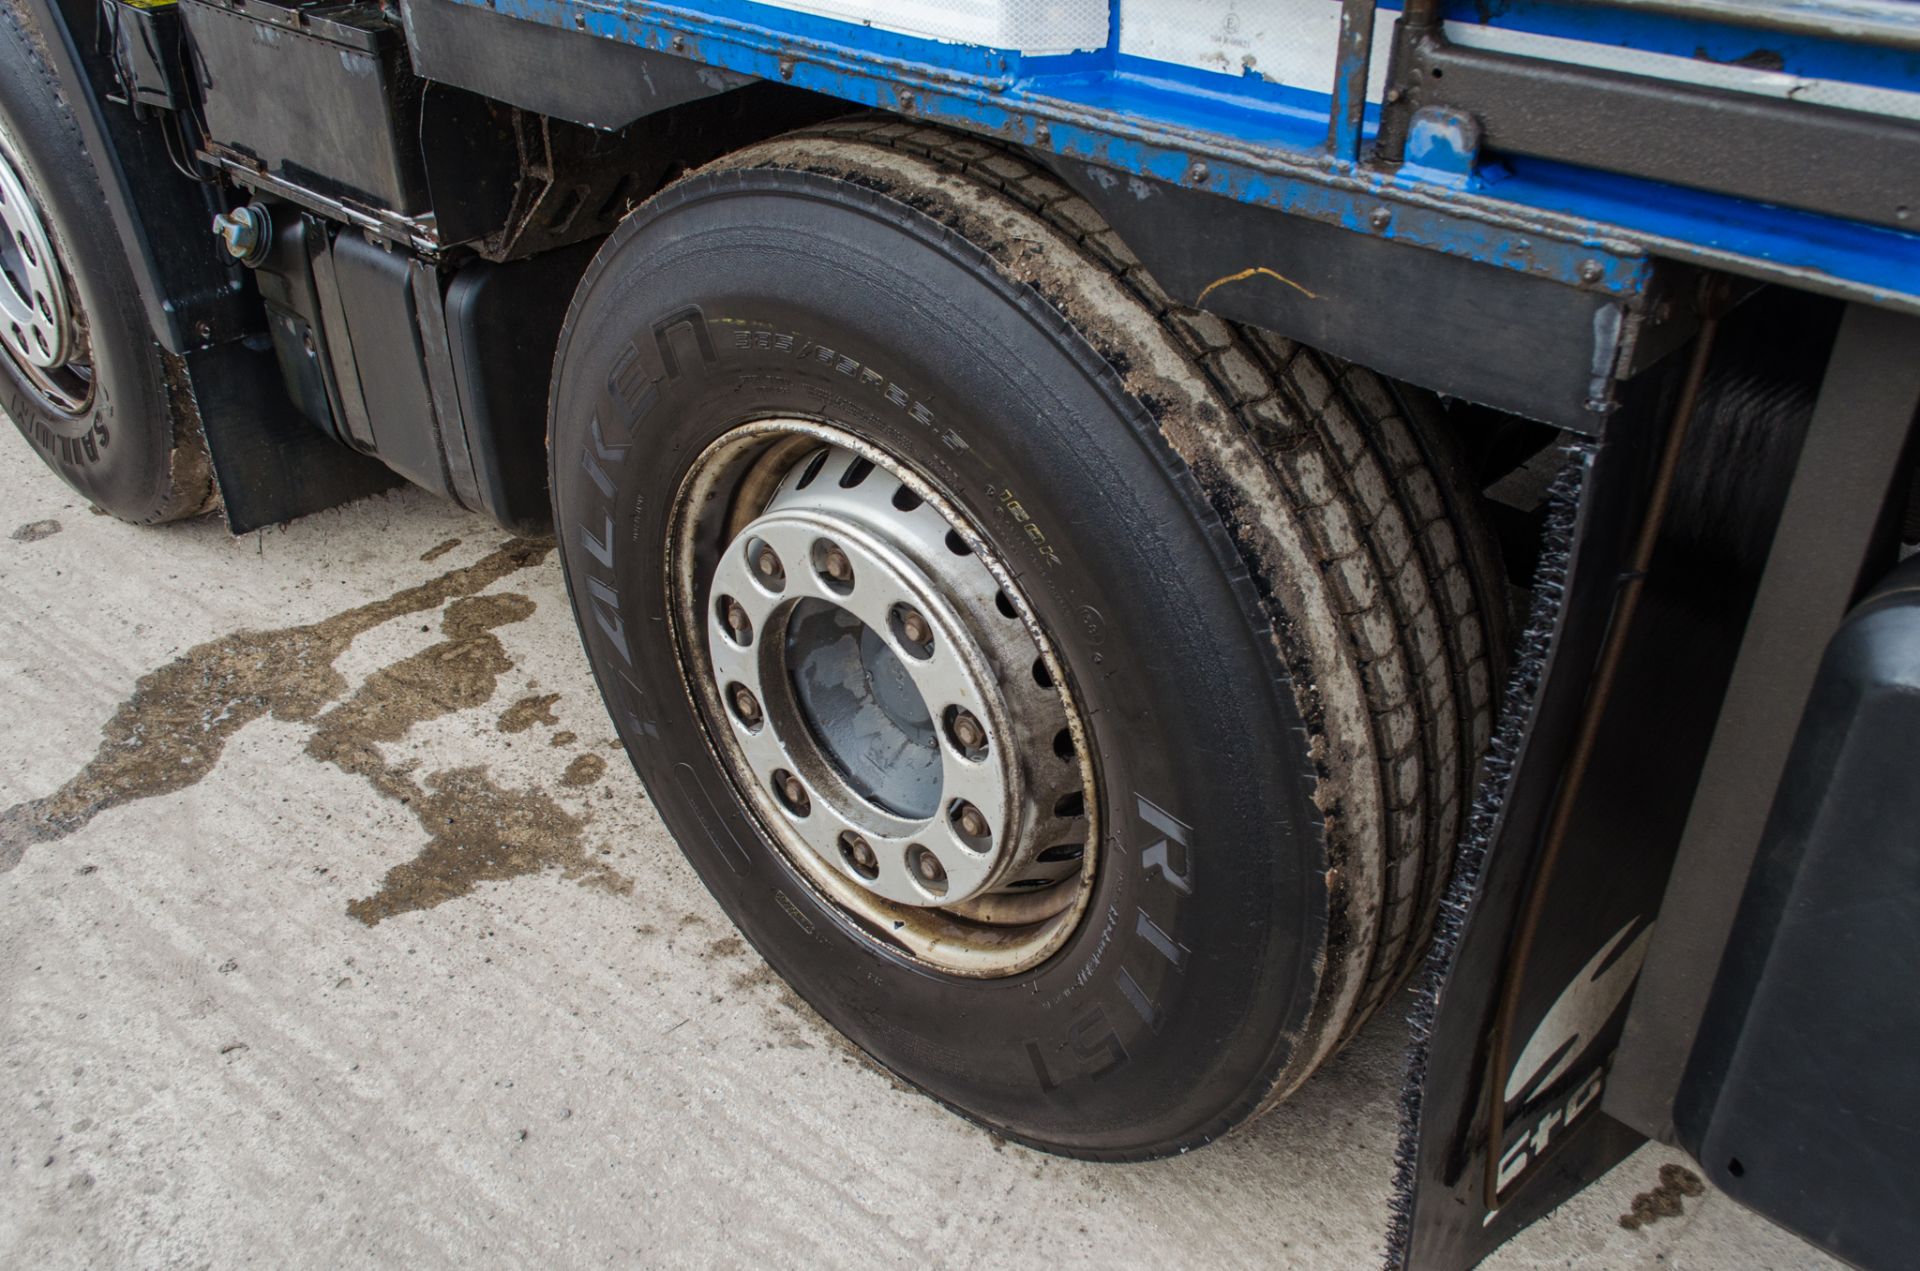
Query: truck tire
[
  {"x": 1070, "y": 696},
  {"x": 81, "y": 374}
]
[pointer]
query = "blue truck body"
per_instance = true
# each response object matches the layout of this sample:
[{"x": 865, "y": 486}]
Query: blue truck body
[{"x": 1244, "y": 137}]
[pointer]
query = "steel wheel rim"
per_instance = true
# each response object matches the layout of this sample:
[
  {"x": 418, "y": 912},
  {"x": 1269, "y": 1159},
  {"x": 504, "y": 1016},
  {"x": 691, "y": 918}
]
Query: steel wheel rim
[
  {"x": 948, "y": 871},
  {"x": 41, "y": 327}
]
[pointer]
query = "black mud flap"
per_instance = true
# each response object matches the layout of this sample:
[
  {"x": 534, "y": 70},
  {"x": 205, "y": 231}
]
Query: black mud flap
[
  {"x": 270, "y": 462},
  {"x": 1655, "y": 539}
]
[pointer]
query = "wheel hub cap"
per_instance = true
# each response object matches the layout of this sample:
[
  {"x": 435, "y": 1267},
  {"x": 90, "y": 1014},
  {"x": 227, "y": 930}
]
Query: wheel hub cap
[{"x": 880, "y": 686}]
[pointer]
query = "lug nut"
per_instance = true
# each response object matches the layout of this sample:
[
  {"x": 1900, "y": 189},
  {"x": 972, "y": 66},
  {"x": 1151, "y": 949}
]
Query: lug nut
[
  {"x": 745, "y": 705},
  {"x": 737, "y": 620},
  {"x": 930, "y": 871},
  {"x": 969, "y": 820},
  {"x": 912, "y": 630},
  {"x": 792, "y": 793},
  {"x": 859, "y": 854},
  {"x": 769, "y": 565},
  {"x": 967, "y": 731},
  {"x": 835, "y": 565}
]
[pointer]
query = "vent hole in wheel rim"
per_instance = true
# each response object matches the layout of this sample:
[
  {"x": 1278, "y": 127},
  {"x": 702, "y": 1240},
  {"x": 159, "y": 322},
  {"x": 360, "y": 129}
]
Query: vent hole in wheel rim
[
  {"x": 812, "y": 469},
  {"x": 1041, "y": 675},
  {"x": 1005, "y": 605},
  {"x": 906, "y": 500},
  {"x": 1070, "y": 805},
  {"x": 957, "y": 545},
  {"x": 856, "y": 472},
  {"x": 1063, "y": 852},
  {"x": 1063, "y": 743}
]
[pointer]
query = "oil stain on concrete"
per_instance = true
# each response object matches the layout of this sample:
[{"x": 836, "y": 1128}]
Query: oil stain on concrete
[
  {"x": 527, "y": 712},
  {"x": 1664, "y": 1201},
  {"x": 172, "y": 731}
]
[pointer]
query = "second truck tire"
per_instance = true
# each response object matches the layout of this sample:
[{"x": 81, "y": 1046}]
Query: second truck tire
[{"x": 1072, "y": 697}]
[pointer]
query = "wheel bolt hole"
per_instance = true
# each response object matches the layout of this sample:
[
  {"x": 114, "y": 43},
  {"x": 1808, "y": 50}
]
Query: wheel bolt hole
[
  {"x": 858, "y": 854},
  {"x": 927, "y": 869},
  {"x": 911, "y": 629},
  {"x": 746, "y": 707},
  {"x": 970, "y": 823},
  {"x": 766, "y": 565},
  {"x": 1063, "y": 743},
  {"x": 791, "y": 793},
  {"x": 965, "y": 732},
  {"x": 733, "y": 616},
  {"x": 835, "y": 570}
]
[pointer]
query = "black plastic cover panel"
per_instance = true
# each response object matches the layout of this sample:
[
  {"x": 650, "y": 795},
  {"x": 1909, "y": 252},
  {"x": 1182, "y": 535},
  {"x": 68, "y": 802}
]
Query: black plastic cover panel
[{"x": 1802, "y": 1099}]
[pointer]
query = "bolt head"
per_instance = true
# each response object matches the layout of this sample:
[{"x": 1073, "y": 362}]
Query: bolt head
[
  {"x": 971, "y": 821},
  {"x": 1592, "y": 271},
  {"x": 768, "y": 564},
  {"x": 737, "y": 617},
  {"x": 795, "y": 794},
  {"x": 836, "y": 565},
  {"x": 914, "y": 627},
  {"x": 967, "y": 731},
  {"x": 746, "y": 705}
]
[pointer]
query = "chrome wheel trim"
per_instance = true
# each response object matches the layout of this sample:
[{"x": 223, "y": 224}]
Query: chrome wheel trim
[
  {"x": 40, "y": 326},
  {"x": 1003, "y": 908}
]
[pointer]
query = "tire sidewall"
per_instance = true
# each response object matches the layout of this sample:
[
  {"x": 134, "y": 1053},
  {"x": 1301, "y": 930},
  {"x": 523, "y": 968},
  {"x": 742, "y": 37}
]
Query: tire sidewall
[{"x": 737, "y": 296}]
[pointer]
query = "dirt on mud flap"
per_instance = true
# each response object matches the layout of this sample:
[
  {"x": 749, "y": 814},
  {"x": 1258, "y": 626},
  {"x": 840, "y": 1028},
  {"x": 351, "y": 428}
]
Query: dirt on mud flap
[{"x": 173, "y": 729}]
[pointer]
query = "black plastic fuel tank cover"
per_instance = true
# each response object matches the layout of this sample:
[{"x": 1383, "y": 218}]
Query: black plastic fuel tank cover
[{"x": 1802, "y": 1097}]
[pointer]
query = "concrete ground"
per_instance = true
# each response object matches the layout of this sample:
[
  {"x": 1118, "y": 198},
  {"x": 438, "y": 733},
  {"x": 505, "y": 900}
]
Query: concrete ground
[{"x": 355, "y": 941}]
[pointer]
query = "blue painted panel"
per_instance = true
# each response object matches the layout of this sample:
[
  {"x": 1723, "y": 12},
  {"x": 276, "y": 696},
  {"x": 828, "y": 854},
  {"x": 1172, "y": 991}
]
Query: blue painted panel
[{"x": 1262, "y": 143}]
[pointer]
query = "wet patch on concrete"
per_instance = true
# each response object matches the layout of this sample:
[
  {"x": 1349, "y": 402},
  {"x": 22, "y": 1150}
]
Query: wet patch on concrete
[
  {"x": 438, "y": 550},
  {"x": 481, "y": 833},
  {"x": 1663, "y": 1201},
  {"x": 584, "y": 771},
  {"x": 34, "y": 531},
  {"x": 172, "y": 731},
  {"x": 527, "y": 712}
]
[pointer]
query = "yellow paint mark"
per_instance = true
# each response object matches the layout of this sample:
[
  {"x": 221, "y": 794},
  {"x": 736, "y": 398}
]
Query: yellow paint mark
[{"x": 1248, "y": 273}]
